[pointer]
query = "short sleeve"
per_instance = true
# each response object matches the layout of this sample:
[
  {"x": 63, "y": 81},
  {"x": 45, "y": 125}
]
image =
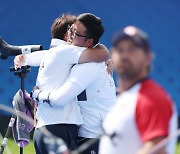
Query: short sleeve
[
  {"x": 153, "y": 117},
  {"x": 84, "y": 74}
]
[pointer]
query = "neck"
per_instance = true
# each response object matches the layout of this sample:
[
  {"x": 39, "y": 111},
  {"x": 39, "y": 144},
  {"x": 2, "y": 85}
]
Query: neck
[{"x": 126, "y": 83}]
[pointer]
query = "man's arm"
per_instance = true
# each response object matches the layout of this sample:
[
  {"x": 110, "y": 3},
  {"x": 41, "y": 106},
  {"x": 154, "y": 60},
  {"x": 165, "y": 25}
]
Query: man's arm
[
  {"x": 98, "y": 54},
  {"x": 153, "y": 122},
  {"x": 32, "y": 59},
  {"x": 77, "y": 82},
  {"x": 61, "y": 97}
]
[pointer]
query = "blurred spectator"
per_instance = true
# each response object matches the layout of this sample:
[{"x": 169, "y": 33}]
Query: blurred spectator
[{"x": 144, "y": 113}]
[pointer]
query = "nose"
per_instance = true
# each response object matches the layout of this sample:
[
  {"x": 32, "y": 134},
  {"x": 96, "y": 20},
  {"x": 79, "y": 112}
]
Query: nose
[{"x": 124, "y": 54}]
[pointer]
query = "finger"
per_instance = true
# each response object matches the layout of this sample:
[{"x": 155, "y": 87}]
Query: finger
[
  {"x": 16, "y": 60},
  {"x": 21, "y": 57},
  {"x": 111, "y": 73},
  {"x": 108, "y": 70},
  {"x": 15, "y": 67},
  {"x": 35, "y": 88}
]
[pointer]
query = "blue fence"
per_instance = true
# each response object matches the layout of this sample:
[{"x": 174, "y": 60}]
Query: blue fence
[{"x": 29, "y": 22}]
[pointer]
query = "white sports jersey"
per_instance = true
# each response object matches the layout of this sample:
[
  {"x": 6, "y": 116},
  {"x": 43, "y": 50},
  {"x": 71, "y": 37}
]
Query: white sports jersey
[
  {"x": 98, "y": 97},
  {"x": 54, "y": 70},
  {"x": 141, "y": 113}
]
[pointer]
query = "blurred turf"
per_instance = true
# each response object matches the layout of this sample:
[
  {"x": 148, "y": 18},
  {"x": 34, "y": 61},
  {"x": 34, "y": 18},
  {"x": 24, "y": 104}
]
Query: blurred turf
[
  {"x": 14, "y": 149},
  {"x": 178, "y": 148}
]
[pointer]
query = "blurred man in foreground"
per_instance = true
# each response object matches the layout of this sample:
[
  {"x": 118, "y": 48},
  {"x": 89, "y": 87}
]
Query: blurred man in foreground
[{"x": 144, "y": 113}]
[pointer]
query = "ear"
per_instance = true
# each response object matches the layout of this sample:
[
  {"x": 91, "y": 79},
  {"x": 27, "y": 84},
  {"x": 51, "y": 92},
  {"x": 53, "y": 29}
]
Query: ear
[
  {"x": 65, "y": 36},
  {"x": 149, "y": 58},
  {"x": 89, "y": 43}
]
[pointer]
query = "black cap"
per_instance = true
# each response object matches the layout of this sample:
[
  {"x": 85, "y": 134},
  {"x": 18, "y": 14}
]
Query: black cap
[{"x": 138, "y": 36}]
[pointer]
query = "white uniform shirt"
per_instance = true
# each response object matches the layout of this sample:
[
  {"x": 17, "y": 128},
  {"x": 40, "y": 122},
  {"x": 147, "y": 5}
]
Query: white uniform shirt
[
  {"x": 55, "y": 67},
  {"x": 100, "y": 95},
  {"x": 143, "y": 112},
  {"x": 95, "y": 103}
]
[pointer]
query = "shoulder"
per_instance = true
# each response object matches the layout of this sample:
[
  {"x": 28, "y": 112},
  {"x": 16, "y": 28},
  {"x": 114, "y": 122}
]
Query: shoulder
[
  {"x": 69, "y": 46},
  {"x": 151, "y": 92},
  {"x": 86, "y": 66},
  {"x": 66, "y": 48},
  {"x": 153, "y": 100},
  {"x": 154, "y": 110}
]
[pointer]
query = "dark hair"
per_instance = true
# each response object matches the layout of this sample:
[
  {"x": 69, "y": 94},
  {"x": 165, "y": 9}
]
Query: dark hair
[
  {"x": 93, "y": 25},
  {"x": 60, "y": 25}
]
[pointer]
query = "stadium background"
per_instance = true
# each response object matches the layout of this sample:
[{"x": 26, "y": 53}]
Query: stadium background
[{"x": 28, "y": 22}]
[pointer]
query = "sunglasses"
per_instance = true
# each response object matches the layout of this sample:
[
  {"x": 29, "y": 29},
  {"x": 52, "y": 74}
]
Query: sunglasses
[{"x": 74, "y": 34}]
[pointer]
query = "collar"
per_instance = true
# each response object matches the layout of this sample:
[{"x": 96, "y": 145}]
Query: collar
[
  {"x": 138, "y": 81},
  {"x": 56, "y": 42}
]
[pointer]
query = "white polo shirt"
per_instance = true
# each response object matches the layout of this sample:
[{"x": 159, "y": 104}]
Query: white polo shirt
[
  {"x": 55, "y": 67},
  {"x": 98, "y": 98},
  {"x": 143, "y": 112}
]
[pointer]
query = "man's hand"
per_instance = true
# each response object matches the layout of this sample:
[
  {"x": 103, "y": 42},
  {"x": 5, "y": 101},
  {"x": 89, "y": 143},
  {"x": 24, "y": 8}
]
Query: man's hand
[
  {"x": 109, "y": 64},
  {"x": 35, "y": 88},
  {"x": 148, "y": 146},
  {"x": 19, "y": 61},
  {"x": 35, "y": 93}
]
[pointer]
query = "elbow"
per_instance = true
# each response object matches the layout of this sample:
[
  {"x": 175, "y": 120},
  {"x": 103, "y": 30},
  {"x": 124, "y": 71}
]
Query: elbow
[{"x": 105, "y": 56}]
